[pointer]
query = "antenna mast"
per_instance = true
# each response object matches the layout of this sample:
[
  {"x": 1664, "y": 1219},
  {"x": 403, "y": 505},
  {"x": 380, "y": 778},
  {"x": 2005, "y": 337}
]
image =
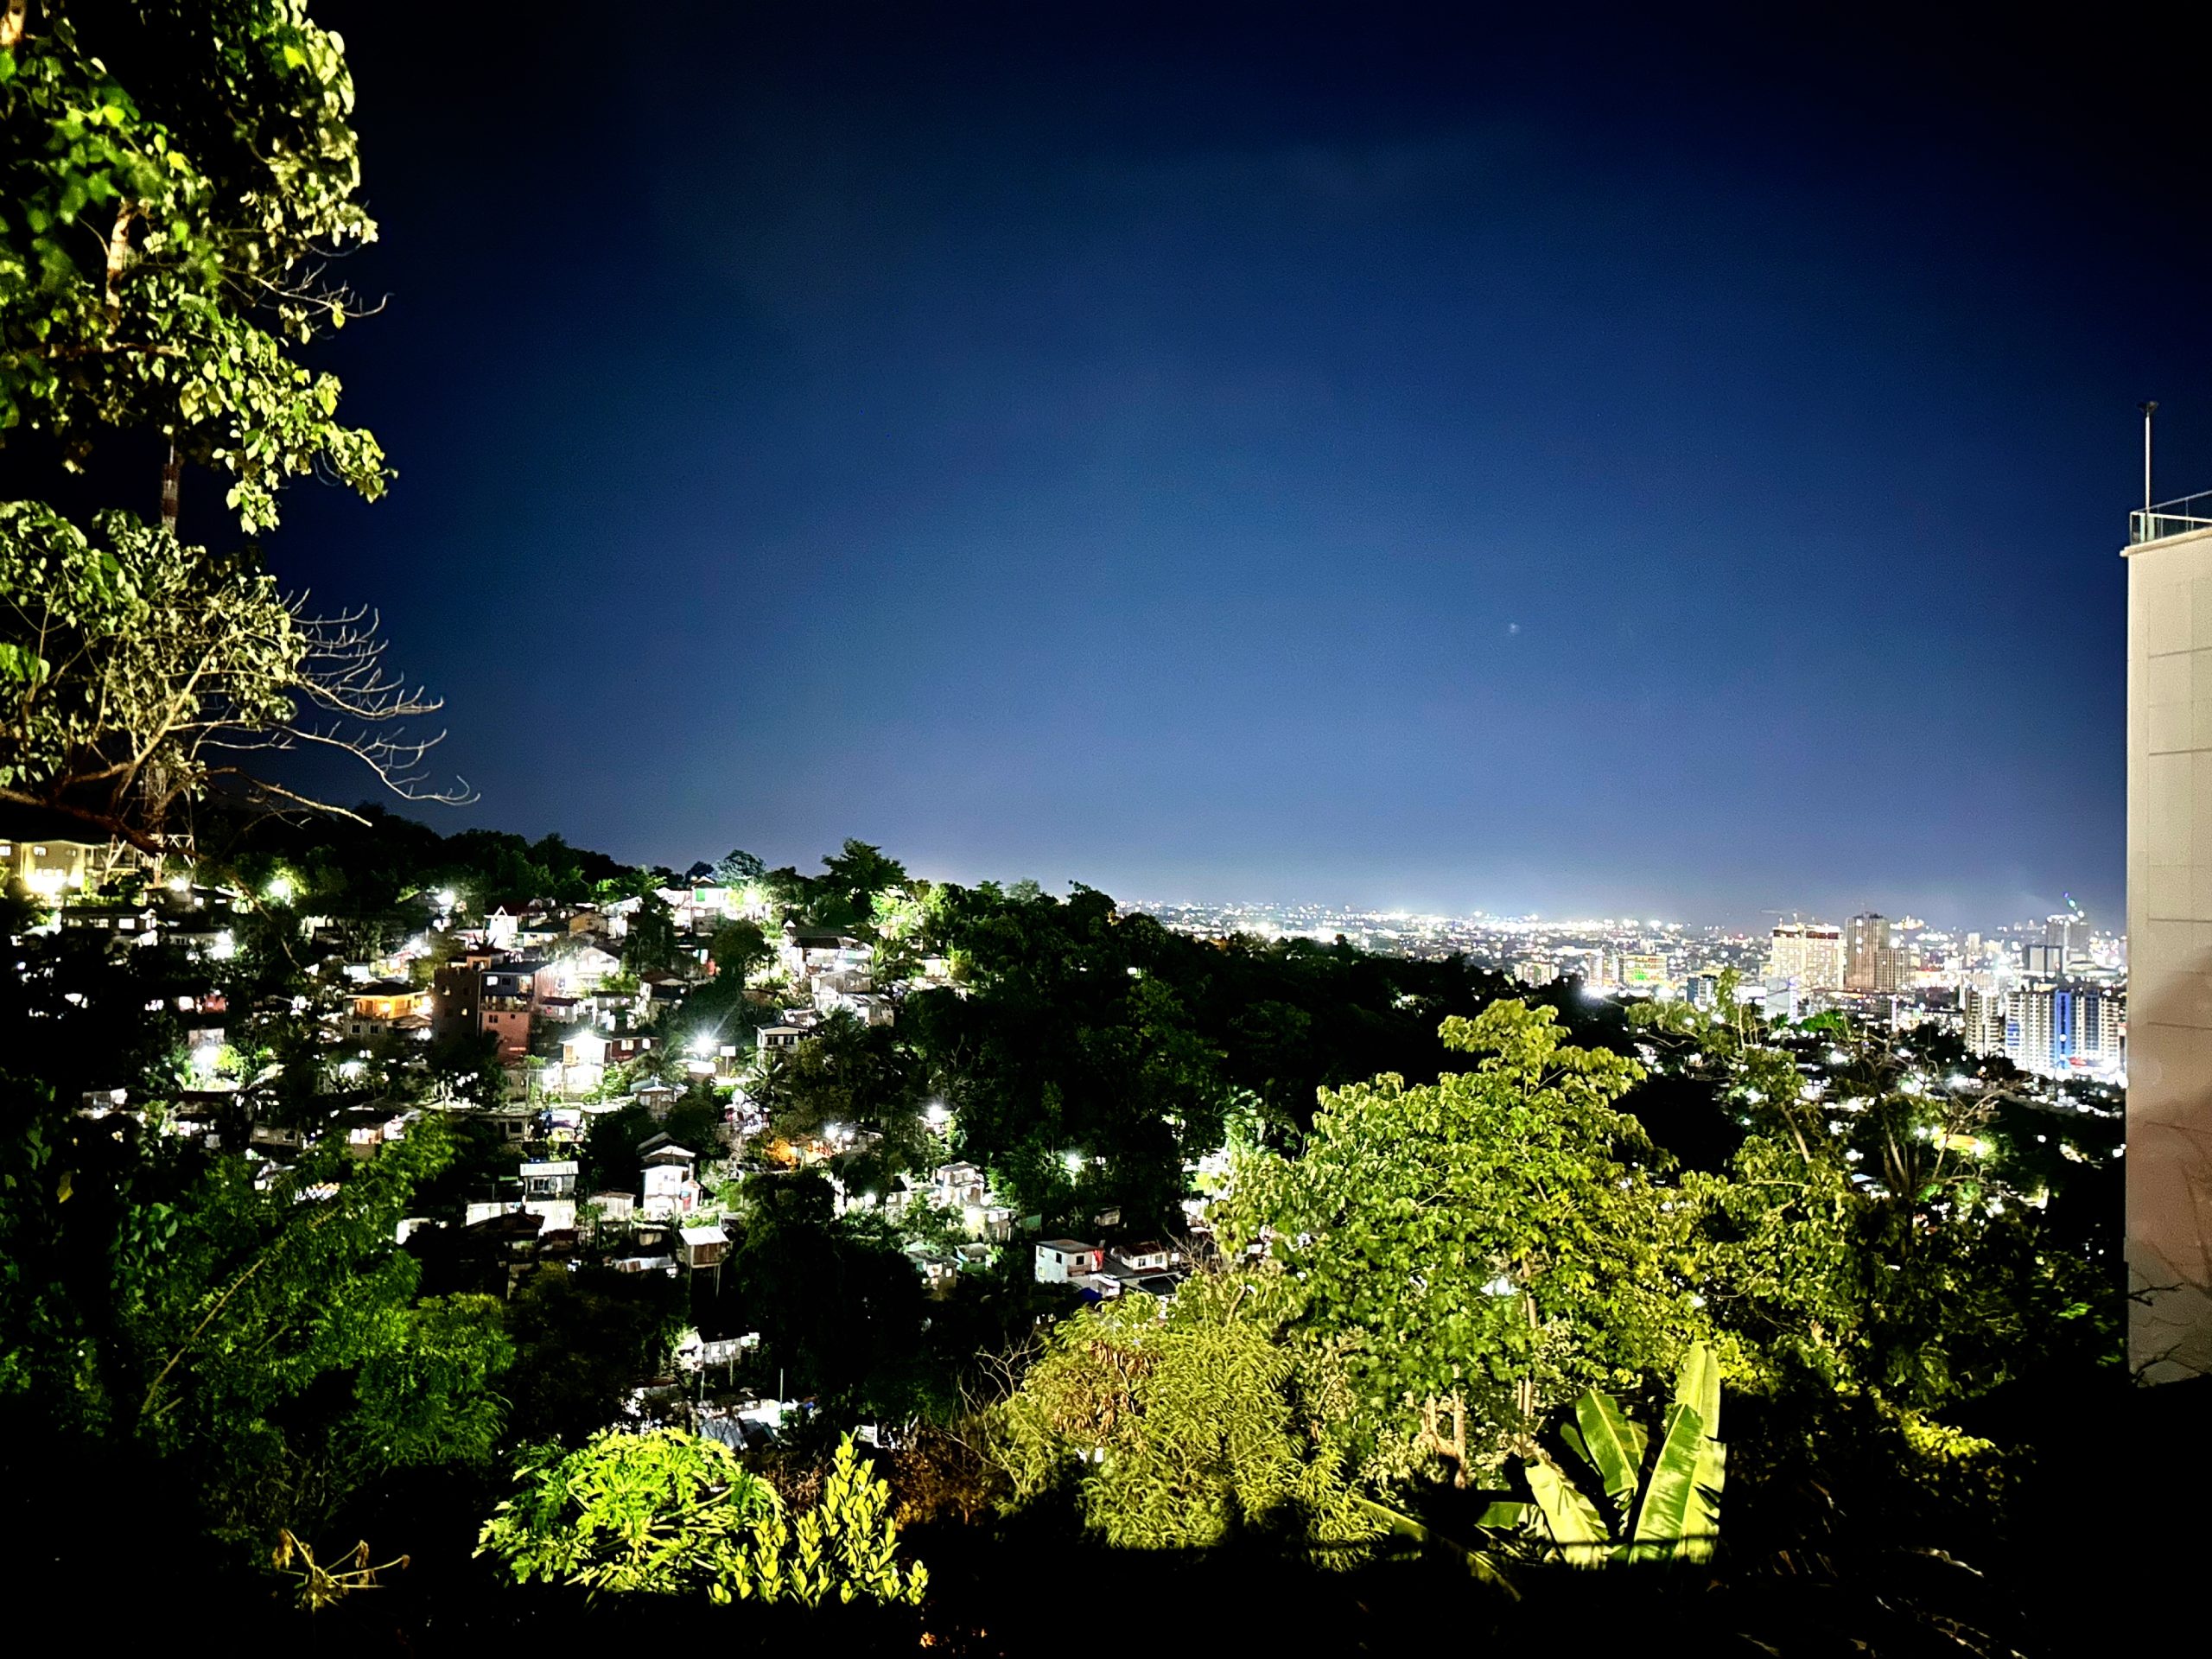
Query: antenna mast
[{"x": 2149, "y": 409}]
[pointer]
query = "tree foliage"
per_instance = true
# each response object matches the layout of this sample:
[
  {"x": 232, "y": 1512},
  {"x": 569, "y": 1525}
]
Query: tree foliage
[
  {"x": 669, "y": 1513},
  {"x": 1498, "y": 1237},
  {"x": 266, "y": 1334},
  {"x": 838, "y": 1307},
  {"x": 1182, "y": 1427},
  {"x": 137, "y": 673},
  {"x": 176, "y": 178}
]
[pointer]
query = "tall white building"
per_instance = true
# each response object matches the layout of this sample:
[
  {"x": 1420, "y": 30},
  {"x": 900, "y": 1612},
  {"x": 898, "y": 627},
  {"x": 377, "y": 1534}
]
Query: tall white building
[
  {"x": 1867, "y": 965},
  {"x": 2169, "y": 940},
  {"x": 2058, "y": 1029},
  {"x": 1809, "y": 952},
  {"x": 1983, "y": 1013}
]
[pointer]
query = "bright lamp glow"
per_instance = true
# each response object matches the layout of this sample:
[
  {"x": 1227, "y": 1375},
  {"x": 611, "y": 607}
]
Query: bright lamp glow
[
  {"x": 280, "y": 889},
  {"x": 447, "y": 898}
]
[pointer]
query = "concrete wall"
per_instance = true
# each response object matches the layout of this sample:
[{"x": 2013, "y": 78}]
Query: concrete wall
[{"x": 2169, "y": 1159}]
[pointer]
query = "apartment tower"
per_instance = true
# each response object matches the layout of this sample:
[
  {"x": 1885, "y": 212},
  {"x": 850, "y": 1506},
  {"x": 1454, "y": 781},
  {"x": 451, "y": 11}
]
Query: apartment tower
[{"x": 2169, "y": 940}]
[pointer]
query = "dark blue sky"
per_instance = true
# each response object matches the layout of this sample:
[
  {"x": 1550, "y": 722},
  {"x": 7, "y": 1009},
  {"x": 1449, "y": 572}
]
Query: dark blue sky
[{"x": 1346, "y": 458}]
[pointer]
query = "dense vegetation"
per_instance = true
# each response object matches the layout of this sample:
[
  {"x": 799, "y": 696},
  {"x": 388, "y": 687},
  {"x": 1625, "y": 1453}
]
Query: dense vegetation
[{"x": 1487, "y": 1208}]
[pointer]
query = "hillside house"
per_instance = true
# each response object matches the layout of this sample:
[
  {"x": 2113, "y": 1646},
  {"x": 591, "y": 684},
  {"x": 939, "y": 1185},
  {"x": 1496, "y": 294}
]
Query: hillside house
[
  {"x": 1131, "y": 1259},
  {"x": 576, "y": 971},
  {"x": 554, "y": 1179},
  {"x": 668, "y": 1180},
  {"x": 1061, "y": 1260},
  {"x": 506, "y": 1004},
  {"x": 50, "y": 866},
  {"x": 615, "y": 1208},
  {"x": 584, "y": 1062},
  {"x": 702, "y": 1247},
  {"x": 658, "y": 1098},
  {"x": 457, "y": 995},
  {"x": 805, "y": 952}
]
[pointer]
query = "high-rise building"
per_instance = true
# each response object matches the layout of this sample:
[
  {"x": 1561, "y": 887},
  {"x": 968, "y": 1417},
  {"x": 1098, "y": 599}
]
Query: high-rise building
[
  {"x": 2169, "y": 1159},
  {"x": 1866, "y": 944},
  {"x": 1810, "y": 953},
  {"x": 2028, "y": 1028},
  {"x": 1644, "y": 971},
  {"x": 2104, "y": 1028},
  {"x": 1983, "y": 1022},
  {"x": 2068, "y": 935},
  {"x": 2054, "y": 1029}
]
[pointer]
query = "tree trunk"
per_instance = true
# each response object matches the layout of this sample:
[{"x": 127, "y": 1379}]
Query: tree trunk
[
  {"x": 172, "y": 473},
  {"x": 118, "y": 255}
]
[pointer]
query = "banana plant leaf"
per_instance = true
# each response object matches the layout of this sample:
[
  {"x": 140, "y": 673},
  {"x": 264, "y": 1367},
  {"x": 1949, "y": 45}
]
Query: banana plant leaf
[
  {"x": 1671, "y": 1506},
  {"x": 1614, "y": 1445},
  {"x": 1702, "y": 1521},
  {"x": 1575, "y": 1525},
  {"x": 1698, "y": 1385}
]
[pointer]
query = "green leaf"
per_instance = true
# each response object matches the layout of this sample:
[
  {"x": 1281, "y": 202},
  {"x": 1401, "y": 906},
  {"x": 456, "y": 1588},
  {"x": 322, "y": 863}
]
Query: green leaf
[
  {"x": 1573, "y": 1520},
  {"x": 1701, "y": 1520},
  {"x": 21, "y": 664},
  {"x": 1670, "y": 1497},
  {"x": 1615, "y": 1447},
  {"x": 1698, "y": 1386}
]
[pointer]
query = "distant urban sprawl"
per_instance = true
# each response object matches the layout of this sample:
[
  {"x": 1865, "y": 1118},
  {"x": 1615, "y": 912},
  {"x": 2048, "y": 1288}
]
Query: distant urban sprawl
[{"x": 2050, "y": 994}]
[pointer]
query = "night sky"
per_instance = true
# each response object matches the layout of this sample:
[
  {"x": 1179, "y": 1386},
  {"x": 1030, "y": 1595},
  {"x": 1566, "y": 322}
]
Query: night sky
[{"x": 1348, "y": 457}]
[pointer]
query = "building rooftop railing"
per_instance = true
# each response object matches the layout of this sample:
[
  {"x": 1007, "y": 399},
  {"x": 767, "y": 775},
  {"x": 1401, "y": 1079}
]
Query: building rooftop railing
[{"x": 2176, "y": 517}]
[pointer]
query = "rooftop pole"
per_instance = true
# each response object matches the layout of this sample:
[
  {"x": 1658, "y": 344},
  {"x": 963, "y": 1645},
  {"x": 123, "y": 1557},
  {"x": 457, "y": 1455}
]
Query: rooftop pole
[{"x": 2149, "y": 409}]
